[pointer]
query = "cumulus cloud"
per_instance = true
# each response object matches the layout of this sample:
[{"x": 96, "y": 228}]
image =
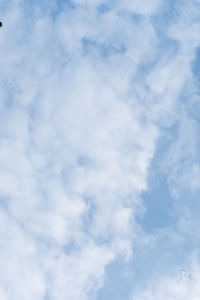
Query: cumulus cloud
[
  {"x": 85, "y": 89},
  {"x": 73, "y": 153}
]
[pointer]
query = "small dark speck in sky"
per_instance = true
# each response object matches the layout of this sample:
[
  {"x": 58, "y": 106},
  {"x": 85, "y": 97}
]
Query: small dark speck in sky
[{"x": 1, "y": 24}]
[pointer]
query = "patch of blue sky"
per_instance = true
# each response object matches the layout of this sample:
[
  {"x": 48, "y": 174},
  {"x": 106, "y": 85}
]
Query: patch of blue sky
[
  {"x": 51, "y": 9},
  {"x": 182, "y": 150},
  {"x": 70, "y": 247},
  {"x": 91, "y": 211},
  {"x": 103, "y": 8},
  {"x": 84, "y": 161},
  {"x": 47, "y": 297},
  {"x": 118, "y": 281},
  {"x": 10, "y": 90},
  {"x": 63, "y": 5},
  {"x": 159, "y": 205},
  {"x": 163, "y": 211},
  {"x": 161, "y": 22},
  {"x": 157, "y": 199},
  {"x": 196, "y": 67},
  {"x": 166, "y": 252},
  {"x": 191, "y": 96},
  {"x": 137, "y": 18},
  {"x": 5, "y": 202},
  {"x": 168, "y": 13}
]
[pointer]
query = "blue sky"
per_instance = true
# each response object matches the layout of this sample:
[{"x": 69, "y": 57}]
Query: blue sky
[{"x": 99, "y": 150}]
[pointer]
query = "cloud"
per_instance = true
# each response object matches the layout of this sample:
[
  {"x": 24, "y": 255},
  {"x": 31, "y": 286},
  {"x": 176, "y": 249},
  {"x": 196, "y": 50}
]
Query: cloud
[
  {"x": 173, "y": 82},
  {"x": 85, "y": 95},
  {"x": 183, "y": 285},
  {"x": 141, "y": 7},
  {"x": 74, "y": 155}
]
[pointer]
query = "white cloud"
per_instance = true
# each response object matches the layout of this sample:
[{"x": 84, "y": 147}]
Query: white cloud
[
  {"x": 180, "y": 286},
  {"x": 143, "y": 7},
  {"x": 72, "y": 151},
  {"x": 78, "y": 132}
]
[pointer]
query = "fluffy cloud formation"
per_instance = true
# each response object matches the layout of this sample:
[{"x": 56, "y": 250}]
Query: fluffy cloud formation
[
  {"x": 86, "y": 90},
  {"x": 73, "y": 153}
]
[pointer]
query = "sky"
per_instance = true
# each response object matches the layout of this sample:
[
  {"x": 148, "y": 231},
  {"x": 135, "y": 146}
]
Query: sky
[{"x": 99, "y": 150}]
